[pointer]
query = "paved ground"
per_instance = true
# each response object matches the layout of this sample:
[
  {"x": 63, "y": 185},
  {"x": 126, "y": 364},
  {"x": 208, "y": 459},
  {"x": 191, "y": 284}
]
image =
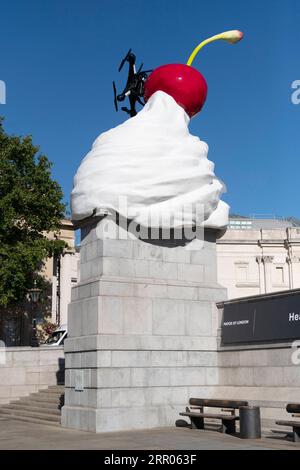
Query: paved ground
[{"x": 23, "y": 435}]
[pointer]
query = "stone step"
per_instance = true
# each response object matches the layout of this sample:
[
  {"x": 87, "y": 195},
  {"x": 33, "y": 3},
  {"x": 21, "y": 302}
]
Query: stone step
[
  {"x": 30, "y": 414},
  {"x": 59, "y": 388},
  {"x": 55, "y": 405},
  {"x": 37, "y": 401},
  {"x": 31, "y": 407},
  {"x": 51, "y": 392},
  {"x": 47, "y": 398},
  {"x": 31, "y": 420},
  {"x": 42, "y": 407}
]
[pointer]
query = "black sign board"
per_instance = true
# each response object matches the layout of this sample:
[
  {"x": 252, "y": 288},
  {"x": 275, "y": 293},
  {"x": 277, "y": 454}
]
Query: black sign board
[{"x": 274, "y": 318}]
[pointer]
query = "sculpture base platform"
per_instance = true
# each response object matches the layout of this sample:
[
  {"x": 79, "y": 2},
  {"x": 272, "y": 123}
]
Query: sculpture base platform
[{"x": 142, "y": 332}]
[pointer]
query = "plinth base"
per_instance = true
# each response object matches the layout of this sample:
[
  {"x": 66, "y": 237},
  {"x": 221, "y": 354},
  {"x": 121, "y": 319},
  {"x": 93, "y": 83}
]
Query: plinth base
[{"x": 142, "y": 333}]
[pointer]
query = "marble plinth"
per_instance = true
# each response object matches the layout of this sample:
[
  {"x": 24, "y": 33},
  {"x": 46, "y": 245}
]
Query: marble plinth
[{"x": 142, "y": 331}]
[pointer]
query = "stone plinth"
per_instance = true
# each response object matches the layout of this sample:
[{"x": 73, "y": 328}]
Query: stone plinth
[{"x": 142, "y": 332}]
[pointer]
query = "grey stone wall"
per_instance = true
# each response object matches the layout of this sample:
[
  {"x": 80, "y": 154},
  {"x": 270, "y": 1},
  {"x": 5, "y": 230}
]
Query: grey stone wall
[
  {"x": 265, "y": 376},
  {"x": 26, "y": 370}
]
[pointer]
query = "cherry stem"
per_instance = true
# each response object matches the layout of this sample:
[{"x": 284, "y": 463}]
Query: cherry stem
[{"x": 229, "y": 36}]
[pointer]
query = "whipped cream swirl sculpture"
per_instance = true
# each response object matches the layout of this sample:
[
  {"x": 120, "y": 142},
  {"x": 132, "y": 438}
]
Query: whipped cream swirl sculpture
[{"x": 150, "y": 169}]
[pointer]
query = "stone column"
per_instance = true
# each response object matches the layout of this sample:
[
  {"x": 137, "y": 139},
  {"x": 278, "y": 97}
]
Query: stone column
[
  {"x": 261, "y": 275},
  {"x": 54, "y": 291},
  {"x": 268, "y": 260},
  {"x": 65, "y": 285},
  {"x": 293, "y": 258},
  {"x": 290, "y": 271},
  {"x": 142, "y": 332},
  {"x": 294, "y": 271}
]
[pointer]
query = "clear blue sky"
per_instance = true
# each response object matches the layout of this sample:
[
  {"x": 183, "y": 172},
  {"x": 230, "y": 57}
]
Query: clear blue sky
[{"x": 59, "y": 57}]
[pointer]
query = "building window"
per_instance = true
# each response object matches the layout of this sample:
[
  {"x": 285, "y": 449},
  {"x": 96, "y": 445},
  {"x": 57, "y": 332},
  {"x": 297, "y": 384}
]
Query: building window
[
  {"x": 279, "y": 275},
  {"x": 242, "y": 272}
]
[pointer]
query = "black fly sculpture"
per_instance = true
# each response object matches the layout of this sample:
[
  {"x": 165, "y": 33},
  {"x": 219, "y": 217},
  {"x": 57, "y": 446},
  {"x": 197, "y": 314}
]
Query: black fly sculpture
[{"x": 134, "y": 89}]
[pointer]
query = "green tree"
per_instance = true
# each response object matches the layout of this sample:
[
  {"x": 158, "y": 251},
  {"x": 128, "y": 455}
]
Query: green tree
[{"x": 30, "y": 205}]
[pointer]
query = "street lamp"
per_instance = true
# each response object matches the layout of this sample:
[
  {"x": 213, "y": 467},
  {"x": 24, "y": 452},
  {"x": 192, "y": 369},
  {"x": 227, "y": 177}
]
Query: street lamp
[{"x": 34, "y": 295}]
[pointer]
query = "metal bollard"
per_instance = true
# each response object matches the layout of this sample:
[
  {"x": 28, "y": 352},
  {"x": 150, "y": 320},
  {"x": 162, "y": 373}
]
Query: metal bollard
[{"x": 250, "y": 426}]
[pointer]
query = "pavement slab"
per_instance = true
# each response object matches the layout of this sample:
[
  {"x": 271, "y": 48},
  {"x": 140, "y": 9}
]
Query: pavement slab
[{"x": 19, "y": 435}]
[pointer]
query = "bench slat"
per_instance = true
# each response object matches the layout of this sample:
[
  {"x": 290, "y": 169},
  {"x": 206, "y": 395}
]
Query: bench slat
[
  {"x": 293, "y": 407},
  {"x": 289, "y": 423},
  {"x": 215, "y": 403},
  {"x": 210, "y": 415},
  {"x": 229, "y": 410}
]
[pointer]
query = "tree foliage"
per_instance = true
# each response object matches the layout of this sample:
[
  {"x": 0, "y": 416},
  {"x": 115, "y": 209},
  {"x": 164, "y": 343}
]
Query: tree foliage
[{"x": 30, "y": 205}]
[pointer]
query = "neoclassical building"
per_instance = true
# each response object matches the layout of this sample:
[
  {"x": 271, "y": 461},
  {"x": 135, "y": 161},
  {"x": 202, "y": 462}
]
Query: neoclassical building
[
  {"x": 257, "y": 256},
  {"x": 62, "y": 273}
]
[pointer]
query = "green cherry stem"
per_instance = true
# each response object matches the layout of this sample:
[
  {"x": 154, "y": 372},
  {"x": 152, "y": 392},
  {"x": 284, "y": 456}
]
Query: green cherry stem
[{"x": 230, "y": 36}]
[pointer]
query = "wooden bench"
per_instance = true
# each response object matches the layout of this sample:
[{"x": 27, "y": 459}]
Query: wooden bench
[
  {"x": 228, "y": 420},
  {"x": 294, "y": 409}
]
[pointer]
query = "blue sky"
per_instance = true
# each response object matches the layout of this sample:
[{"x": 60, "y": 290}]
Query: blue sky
[{"x": 59, "y": 57}]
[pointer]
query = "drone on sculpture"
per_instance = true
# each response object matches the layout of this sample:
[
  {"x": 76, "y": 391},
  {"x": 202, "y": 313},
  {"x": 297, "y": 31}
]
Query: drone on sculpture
[{"x": 134, "y": 88}]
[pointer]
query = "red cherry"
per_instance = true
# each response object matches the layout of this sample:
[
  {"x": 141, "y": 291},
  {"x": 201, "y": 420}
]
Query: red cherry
[{"x": 184, "y": 83}]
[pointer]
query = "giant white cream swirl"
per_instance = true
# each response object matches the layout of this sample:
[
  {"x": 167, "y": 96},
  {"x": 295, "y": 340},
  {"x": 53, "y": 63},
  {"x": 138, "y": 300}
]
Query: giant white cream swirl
[{"x": 152, "y": 162}]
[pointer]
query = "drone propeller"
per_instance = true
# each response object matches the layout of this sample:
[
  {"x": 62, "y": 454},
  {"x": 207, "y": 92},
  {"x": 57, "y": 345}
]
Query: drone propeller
[
  {"x": 115, "y": 96},
  {"x": 140, "y": 68},
  {"x": 124, "y": 60}
]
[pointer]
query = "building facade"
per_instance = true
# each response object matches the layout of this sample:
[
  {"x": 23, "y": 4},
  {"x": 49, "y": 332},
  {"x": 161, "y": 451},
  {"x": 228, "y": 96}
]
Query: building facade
[
  {"x": 254, "y": 256},
  {"x": 62, "y": 273},
  {"x": 258, "y": 256}
]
